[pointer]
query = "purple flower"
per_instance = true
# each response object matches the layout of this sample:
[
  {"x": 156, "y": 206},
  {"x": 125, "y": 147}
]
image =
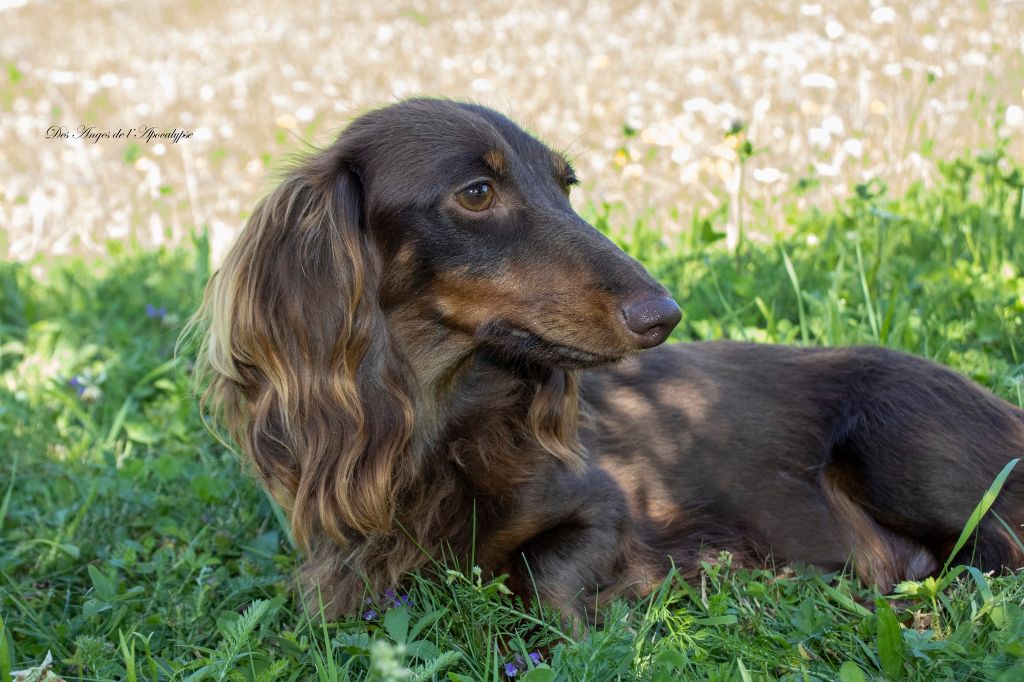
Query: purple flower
[
  {"x": 153, "y": 312},
  {"x": 518, "y": 663},
  {"x": 78, "y": 385},
  {"x": 370, "y": 614},
  {"x": 394, "y": 600}
]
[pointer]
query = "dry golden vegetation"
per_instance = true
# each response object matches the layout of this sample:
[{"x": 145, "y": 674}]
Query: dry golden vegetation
[{"x": 640, "y": 93}]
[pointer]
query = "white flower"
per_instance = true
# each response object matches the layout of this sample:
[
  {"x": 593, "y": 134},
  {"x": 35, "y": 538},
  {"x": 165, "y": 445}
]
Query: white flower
[
  {"x": 834, "y": 125},
  {"x": 853, "y": 147},
  {"x": 92, "y": 394},
  {"x": 834, "y": 30},
  {"x": 767, "y": 175},
  {"x": 819, "y": 137},
  {"x": 1014, "y": 116},
  {"x": 883, "y": 15},
  {"x": 818, "y": 80}
]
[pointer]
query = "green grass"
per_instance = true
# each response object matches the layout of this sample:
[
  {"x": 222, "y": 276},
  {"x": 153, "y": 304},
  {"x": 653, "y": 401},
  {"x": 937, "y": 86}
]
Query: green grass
[{"x": 133, "y": 546}]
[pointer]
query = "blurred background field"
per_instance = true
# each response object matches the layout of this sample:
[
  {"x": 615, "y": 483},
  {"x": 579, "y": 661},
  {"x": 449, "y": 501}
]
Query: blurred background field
[
  {"x": 871, "y": 154},
  {"x": 640, "y": 93}
]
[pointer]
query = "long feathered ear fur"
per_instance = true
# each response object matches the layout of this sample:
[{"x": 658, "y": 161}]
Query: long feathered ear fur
[
  {"x": 299, "y": 366},
  {"x": 298, "y": 360}
]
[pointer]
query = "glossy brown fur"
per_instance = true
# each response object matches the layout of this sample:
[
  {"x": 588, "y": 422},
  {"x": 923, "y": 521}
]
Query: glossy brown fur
[{"x": 405, "y": 374}]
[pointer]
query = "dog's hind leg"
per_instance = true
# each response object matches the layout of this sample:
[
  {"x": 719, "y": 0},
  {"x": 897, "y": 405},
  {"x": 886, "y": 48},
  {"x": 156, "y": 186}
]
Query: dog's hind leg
[
  {"x": 913, "y": 454},
  {"x": 880, "y": 556}
]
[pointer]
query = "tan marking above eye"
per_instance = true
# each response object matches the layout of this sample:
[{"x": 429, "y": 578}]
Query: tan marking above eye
[
  {"x": 477, "y": 197},
  {"x": 496, "y": 161}
]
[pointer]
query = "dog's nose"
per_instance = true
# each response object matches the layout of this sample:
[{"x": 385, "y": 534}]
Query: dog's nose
[{"x": 651, "y": 319}]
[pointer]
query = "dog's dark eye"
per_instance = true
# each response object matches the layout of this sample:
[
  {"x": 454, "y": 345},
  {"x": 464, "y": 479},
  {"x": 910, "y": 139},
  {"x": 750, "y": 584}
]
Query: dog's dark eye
[
  {"x": 478, "y": 197},
  {"x": 570, "y": 182}
]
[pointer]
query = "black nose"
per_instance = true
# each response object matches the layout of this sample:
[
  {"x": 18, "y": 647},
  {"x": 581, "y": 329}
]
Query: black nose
[{"x": 651, "y": 319}]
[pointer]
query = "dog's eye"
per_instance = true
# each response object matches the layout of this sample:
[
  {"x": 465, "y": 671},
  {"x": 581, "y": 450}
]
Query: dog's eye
[
  {"x": 570, "y": 182},
  {"x": 478, "y": 197}
]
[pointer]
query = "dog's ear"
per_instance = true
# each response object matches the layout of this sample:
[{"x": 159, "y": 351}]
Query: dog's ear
[
  {"x": 299, "y": 358},
  {"x": 554, "y": 417}
]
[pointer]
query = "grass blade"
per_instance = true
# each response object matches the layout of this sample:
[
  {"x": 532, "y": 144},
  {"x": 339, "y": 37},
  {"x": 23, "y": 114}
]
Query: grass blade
[
  {"x": 869, "y": 303},
  {"x": 6, "y": 651},
  {"x": 128, "y": 655},
  {"x": 987, "y": 500},
  {"x": 1013, "y": 534},
  {"x": 805, "y": 335},
  {"x": 7, "y": 499}
]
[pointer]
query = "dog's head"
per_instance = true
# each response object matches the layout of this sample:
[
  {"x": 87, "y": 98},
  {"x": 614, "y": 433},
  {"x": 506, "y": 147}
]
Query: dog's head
[
  {"x": 471, "y": 216},
  {"x": 424, "y": 218}
]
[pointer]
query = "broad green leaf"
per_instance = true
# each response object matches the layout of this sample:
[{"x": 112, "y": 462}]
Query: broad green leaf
[
  {"x": 851, "y": 672},
  {"x": 541, "y": 673},
  {"x": 889, "y": 640},
  {"x": 142, "y": 432},
  {"x": 396, "y": 624},
  {"x": 667, "y": 665},
  {"x": 106, "y": 586}
]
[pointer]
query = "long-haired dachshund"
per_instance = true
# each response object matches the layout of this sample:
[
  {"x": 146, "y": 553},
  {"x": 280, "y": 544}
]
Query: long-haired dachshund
[{"x": 425, "y": 352}]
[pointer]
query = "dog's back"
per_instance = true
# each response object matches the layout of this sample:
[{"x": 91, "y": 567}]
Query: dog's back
[{"x": 810, "y": 454}]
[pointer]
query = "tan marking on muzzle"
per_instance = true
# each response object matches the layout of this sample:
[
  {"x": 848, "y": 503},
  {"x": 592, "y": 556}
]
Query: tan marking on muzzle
[{"x": 558, "y": 305}]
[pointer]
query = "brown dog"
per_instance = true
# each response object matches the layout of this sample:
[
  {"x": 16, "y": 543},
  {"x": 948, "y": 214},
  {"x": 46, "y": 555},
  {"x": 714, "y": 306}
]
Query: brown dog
[{"x": 417, "y": 342}]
